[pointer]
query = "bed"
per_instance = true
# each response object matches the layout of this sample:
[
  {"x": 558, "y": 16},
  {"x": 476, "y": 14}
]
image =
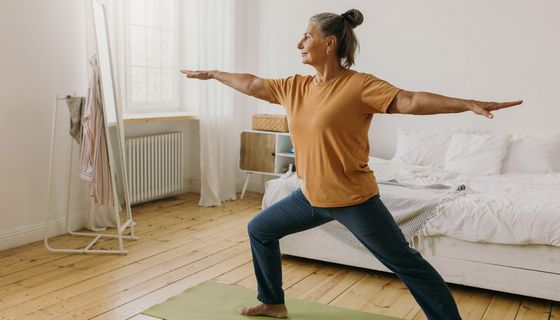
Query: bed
[{"x": 496, "y": 220}]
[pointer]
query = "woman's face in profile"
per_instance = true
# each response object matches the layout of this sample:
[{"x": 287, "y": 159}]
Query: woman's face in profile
[{"x": 313, "y": 46}]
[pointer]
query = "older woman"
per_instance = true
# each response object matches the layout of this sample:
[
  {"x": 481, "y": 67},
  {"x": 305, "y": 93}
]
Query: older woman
[{"x": 329, "y": 115}]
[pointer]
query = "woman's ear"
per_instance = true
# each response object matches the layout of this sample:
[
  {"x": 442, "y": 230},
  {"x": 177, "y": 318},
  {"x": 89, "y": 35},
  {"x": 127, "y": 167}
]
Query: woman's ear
[
  {"x": 331, "y": 44},
  {"x": 332, "y": 41}
]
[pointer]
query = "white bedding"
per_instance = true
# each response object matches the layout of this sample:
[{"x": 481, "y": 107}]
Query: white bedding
[{"x": 504, "y": 209}]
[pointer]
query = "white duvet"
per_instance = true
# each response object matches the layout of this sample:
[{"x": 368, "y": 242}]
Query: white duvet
[{"x": 506, "y": 209}]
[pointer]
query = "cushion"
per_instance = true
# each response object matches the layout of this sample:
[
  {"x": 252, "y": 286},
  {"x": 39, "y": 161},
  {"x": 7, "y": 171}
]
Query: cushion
[
  {"x": 479, "y": 154},
  {"x": 423, "y": 147},
  {"x": 533, "y": 154}
]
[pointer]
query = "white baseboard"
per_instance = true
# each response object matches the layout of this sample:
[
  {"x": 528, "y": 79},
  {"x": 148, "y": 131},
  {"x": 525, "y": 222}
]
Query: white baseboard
[
  {"x": 186, "y": 185},
  {"x": 26, "y": 235}
]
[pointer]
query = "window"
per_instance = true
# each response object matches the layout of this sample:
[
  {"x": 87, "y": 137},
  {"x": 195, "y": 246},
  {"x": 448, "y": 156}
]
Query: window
[{"x": 152, "y": 48}]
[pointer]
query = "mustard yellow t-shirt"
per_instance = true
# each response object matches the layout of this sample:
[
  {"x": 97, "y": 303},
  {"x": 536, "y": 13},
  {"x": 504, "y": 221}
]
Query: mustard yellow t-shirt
[{"x": 329, "y": 125}]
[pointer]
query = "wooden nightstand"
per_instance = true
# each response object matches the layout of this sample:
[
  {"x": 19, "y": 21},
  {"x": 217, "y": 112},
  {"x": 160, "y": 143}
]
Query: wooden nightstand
[{"x": 265, "y": 152}]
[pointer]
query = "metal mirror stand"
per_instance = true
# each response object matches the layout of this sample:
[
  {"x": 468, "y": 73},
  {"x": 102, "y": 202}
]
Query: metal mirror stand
[{"x": 114, "y": 131}]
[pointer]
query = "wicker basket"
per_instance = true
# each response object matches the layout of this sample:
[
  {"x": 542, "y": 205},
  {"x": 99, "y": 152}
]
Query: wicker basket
[{"x": 270, "y": 122}]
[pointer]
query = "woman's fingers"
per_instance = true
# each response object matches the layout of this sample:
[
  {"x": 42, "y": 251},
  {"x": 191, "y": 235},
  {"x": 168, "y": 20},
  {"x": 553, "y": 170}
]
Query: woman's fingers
[
  {"x": 508, "y": 104},
  {"x": 484, "y": 108},
  {"x": 191, "y": 74},
  {"x": 202, "y": 75},
  {"x": 188, "y": 73}
]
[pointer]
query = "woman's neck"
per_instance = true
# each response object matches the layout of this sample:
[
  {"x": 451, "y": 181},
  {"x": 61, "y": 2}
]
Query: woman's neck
[{"x": 327, "y": 71}]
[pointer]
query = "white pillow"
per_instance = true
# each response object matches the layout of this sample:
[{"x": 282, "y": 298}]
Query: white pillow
[
  {"x": 480, "y": 154},
  {"x": 423, "y": 147},
  {"x": 532, "y": 154}
]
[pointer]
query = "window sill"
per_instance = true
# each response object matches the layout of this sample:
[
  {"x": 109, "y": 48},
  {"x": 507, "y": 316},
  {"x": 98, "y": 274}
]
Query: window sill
[{"x": 158, "y": 117}]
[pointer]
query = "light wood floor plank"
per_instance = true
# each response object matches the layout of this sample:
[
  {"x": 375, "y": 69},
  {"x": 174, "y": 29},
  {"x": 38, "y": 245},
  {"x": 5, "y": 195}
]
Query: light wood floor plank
[
  {"x": 473, "y": 304},
  {"x": 534, "y": 309},
  {"x": 325, "y": 284},
  {"x": 237, "y": 274},
  {"x": 555, "y": 312},
  {"x": 502, "y": 307},
  {"x": 362, "y": 295},
  {"x": 293, "y": 271},
  {"x": 143, "y": 317}
]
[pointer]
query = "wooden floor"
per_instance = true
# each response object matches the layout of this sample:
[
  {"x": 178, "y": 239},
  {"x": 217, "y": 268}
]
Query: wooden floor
[{"x": 182, "y": 245}]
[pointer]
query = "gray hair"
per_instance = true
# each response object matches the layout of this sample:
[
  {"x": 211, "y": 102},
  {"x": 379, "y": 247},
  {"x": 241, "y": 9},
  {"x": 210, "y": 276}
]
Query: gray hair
[{"x": 341, "y": 26}]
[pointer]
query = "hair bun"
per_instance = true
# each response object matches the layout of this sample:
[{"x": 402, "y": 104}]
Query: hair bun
[{"x": 354, "y": 17}]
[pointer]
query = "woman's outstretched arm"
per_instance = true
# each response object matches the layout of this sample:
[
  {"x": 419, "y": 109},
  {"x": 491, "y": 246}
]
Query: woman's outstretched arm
[
  {"x": 242, "y": 82},
  {"x": 423, "y": 103}
]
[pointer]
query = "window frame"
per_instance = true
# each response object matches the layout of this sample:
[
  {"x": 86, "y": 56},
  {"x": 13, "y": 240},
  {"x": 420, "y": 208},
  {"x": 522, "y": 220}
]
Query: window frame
[{"x": 147, "y": 106}]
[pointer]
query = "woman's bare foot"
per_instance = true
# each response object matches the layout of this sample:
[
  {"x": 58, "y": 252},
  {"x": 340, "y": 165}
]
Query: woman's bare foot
[{"x": 267, "y": 310}]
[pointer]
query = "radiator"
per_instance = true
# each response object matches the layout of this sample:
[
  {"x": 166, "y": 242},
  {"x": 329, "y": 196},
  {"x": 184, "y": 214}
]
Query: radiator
[{"x": 154, "y": 166}]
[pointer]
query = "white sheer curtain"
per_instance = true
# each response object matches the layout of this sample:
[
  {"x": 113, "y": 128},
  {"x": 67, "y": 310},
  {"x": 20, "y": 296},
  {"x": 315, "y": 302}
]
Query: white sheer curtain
[{"x": 213, "y": 48}]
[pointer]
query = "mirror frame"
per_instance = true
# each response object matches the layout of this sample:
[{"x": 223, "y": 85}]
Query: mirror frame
[{"x": 117, "y": 166}]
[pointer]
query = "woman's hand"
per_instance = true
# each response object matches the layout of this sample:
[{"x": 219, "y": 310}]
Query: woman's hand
[
  {"x": 485, "y": 108},
  {"x": 201, "y": 75}
]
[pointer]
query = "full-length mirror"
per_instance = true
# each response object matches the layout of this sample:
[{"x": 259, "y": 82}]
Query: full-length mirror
[{"x": 113, "y": 115}]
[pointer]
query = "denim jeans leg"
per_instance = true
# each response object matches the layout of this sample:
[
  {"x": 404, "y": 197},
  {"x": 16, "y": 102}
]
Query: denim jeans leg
[
  {"x": 290, "y": 215},
  {"x": 375, "y": 228}
]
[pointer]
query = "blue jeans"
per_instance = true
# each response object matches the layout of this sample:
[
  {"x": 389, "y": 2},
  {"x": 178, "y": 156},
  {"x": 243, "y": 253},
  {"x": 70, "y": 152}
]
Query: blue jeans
[{"x": 371, "y": 223}]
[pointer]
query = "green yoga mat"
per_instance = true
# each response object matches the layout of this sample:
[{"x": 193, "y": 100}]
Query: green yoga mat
[{"x": 214, "y": 301}]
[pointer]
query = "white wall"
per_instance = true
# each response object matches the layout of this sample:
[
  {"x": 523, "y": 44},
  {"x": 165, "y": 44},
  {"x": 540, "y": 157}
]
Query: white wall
[
  {"x": 43, "y": 51},
  {"x": 488, "y": 50}
]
